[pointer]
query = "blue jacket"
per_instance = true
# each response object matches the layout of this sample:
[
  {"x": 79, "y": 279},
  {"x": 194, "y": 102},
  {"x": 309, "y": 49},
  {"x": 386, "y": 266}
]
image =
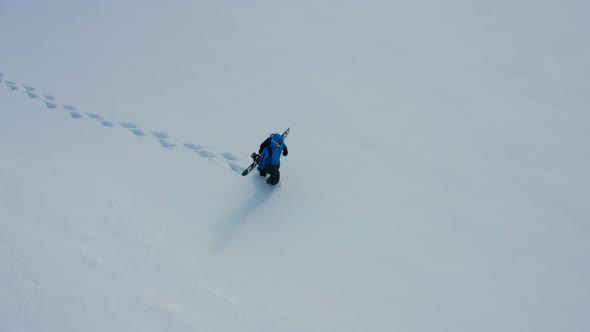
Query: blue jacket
[{"x": 271, "y": 151}]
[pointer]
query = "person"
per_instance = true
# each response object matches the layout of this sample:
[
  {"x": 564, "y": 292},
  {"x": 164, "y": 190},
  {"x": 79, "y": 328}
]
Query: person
[{"x": 269, "y": 158}]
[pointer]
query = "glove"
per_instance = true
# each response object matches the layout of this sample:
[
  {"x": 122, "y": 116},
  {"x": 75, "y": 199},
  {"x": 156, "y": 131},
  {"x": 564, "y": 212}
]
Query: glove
[{"x": 285, "y": 152}]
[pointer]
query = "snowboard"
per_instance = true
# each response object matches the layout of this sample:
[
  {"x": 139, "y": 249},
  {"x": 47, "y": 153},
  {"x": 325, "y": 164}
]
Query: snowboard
[{"x": 256, "y": 156}]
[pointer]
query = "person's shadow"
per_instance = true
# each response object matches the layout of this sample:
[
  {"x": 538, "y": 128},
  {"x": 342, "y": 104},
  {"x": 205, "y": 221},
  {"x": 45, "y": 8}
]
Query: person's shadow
[{"x": 228, "y": 226}]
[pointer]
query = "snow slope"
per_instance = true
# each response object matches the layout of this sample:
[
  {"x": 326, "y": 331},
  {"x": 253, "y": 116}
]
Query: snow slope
[{"x": 436, "y": 180}]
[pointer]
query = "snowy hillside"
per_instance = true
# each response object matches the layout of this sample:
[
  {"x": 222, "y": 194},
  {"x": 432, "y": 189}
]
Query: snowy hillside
[{"x": 437, "y": 176}]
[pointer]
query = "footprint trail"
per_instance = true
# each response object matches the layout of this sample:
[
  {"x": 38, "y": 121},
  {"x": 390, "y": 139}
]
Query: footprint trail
[{"x": 162, "y": 138}]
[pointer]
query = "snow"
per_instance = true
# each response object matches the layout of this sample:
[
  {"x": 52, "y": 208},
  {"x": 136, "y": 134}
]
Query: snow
[{"x": 436, "y": 177}]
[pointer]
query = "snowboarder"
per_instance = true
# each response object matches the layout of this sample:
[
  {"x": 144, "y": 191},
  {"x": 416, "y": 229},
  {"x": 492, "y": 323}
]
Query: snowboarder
[{"x": 269, "y": 157}]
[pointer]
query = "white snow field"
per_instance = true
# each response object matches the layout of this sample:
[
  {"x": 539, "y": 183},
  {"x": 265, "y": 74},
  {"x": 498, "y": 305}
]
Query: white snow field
[{"x": 437, "y": 176}]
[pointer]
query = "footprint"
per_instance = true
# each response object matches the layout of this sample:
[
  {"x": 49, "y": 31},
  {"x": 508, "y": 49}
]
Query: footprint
[
  {"x": 129, "y": 125},
  {"x": 167, "y": 145},
  {"x": 206, "y": 154},
  {"x": 49, "y": 97},
  {"x": 236, "y": 168},
  {"x": 159, "y": 134},
  {"x": 75, "y": 115},
  {"x": 70, "y": 108},
  {"x": 28, "y": 88},
  {"x": 228, "y": 156},
  {"x": 32, "y": 94},
  {"x": 11, "y": 85},
  {"x": 192, "y": 146},
  {"x": 137, "y": 132},
  {"x": 95, "y": 116},
  {"x": 50, "y": 105},
  {"x": 107, "y": 123}
]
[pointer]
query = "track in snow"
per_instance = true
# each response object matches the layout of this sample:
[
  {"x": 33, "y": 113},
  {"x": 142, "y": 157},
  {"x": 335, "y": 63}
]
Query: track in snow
[{"x": 162, "y": 138}]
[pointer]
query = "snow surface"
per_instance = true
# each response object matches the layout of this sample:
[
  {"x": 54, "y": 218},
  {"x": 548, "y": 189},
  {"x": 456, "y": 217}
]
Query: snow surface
[{"x": 437, "y": 178}]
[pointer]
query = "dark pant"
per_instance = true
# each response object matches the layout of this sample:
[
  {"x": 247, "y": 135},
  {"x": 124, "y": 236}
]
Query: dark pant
[{"x": 273, "y": 171}]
